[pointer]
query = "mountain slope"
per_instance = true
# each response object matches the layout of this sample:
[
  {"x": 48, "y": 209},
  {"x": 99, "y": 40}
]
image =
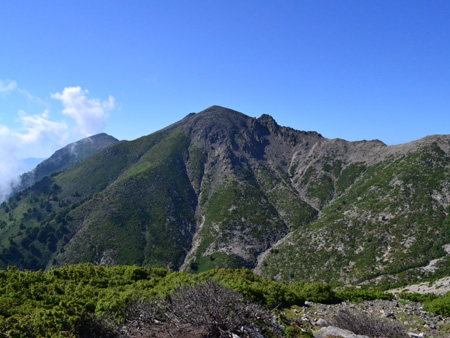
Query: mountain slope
[
  {"x": 392, "y": 221},
  {"x": 221, "y": 189}
]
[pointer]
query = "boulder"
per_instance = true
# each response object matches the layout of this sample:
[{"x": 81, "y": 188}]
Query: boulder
[{"x": 334, "y": 331}]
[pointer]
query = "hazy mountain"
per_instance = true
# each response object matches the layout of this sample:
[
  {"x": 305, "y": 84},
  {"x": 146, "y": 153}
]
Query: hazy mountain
[
  {"x": 221, "y": 189},
  {"x": 64, "y": 158}
]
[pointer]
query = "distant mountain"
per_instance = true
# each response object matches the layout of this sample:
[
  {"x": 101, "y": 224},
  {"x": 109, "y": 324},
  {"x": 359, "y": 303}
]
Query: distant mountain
[
  {"x": 221, "y": 189},
  {"x": 65, "y": 158}
]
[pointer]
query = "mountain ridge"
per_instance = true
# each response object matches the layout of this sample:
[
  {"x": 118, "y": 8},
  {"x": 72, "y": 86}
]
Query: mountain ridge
[
  {"x": 221, "y": 189},
  {"x": 65, "y": 158}
]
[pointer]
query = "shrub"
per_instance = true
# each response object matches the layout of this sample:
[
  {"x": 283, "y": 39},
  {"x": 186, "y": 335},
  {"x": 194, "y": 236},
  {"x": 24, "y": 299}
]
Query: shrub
[
  {"x": 417, "y": 297},
  {"x": 358, "y": 295},
  {"x": 212, "y": 309},
  {"x": 315, "y": 292},
  {"x": 256, "y": 288},
  {"x": 364, "y": 325},
  {"x": 440, "y": 305}
]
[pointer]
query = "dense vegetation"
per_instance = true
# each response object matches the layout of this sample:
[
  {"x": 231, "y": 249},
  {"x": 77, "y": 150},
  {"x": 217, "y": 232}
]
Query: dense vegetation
[{"x": 82, "y": 299}]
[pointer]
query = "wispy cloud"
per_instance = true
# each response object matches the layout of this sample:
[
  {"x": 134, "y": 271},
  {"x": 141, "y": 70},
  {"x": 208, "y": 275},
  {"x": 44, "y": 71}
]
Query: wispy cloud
[
  {"x": 10, "y": 86},
  {"x": 36, "y": 129},
  {"x": 31, "y": 97},
  {"x": 7, "y": 87},
  {"x": 90, "y": 115},
  {"x": 39, "y": 128}
]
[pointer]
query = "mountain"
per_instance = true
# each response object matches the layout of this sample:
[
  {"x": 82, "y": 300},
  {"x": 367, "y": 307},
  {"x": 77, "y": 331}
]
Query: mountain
[
  {"x": 65, "y": 158},
  {"x": 221, "y": 189}
]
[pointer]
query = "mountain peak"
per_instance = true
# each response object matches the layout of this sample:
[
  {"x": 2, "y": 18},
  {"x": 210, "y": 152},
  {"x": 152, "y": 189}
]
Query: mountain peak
[
  {"x": 219, "y": 117},
  {"x": 269, "y": 122},
  {"x": 265, "y": 117},
  {"x": 218, "y": 110}
]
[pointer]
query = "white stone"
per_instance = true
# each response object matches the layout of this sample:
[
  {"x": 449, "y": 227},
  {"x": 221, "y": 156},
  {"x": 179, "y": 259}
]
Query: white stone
[{"x": 335, "y": 331}]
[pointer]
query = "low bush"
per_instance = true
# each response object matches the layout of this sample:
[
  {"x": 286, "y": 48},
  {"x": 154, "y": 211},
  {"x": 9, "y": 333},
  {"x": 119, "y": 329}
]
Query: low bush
[
  {"x": 417, "y": 297},
  {"x": 210, "y": 308},
  {"x": 439, "y": 305},
  {"x": 74, "y": 299},
  {"x": 315, "y": 292},
  {"x": 361, "y": 324},
  {"x": 258, "y": 289},
  {"x": 353, "y": 294}
]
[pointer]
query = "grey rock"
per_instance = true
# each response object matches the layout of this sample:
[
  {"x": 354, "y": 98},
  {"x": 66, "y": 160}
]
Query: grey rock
[
  {"x": 335, "y": 331},
  {"x": 321, "y": 322},
  {"x": 416, "y": 335},
  {"x": 389, "y": 315}
]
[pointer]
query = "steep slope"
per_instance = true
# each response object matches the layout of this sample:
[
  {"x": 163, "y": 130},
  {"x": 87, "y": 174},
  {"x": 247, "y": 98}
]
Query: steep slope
[{"x": 221, "y": 189}]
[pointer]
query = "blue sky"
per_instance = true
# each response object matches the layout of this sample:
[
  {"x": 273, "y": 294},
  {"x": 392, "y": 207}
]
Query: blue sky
[{"x": 349, "y": 69}]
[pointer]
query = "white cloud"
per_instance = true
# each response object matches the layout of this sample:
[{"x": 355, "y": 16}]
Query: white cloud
[
  {"x": 9, "y": 165},
  {"x": 7, "y": 87},
  {"x": 37, "y": 130},
  {"x": 90, "y": 115}
]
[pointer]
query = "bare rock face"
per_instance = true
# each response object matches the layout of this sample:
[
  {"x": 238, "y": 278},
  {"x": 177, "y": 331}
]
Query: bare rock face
[{"x": 221, "y": 189}]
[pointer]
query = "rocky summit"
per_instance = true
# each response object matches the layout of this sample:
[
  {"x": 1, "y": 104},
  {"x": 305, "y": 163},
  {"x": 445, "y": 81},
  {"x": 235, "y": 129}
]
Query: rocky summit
[{"x": 222, "y": 189}]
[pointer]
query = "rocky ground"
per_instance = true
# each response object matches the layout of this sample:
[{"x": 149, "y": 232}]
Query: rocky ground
[
  {"x": 417, "y": 321},
  {"x": 438, "y": 287},
  {"x": 161, "y": 331}
]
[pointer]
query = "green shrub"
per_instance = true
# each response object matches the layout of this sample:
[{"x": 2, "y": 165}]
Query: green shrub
[
  {"x": 439, "y": 305},
  {"x": 358, "y": 295},
  {"x": 255, "y": 287},
  {"x": 417, "y": 297},
  {"x": 315, "y": 292},
  {"x": 292, "y": 332},
  {"x": 73, "y": 299}
]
